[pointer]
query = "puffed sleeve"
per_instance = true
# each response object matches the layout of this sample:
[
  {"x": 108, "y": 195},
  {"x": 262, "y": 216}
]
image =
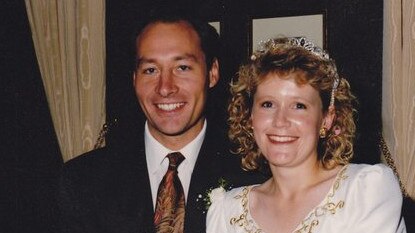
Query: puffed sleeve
[
  {"x": 215, "y": 221},
  {"x": 376, "y": 201}
]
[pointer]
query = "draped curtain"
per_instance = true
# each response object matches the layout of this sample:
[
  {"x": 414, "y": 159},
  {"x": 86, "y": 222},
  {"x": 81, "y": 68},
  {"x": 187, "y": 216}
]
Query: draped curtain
[
  {"x": 398, "y": 94},
  {"x": 69, "y": 39}
]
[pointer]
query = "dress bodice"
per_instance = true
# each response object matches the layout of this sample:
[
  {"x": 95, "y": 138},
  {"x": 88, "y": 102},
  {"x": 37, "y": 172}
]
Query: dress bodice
[{"x": 362, "y": 198}]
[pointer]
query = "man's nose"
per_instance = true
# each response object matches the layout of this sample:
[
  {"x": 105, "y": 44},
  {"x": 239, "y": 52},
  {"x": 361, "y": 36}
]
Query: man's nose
[{"x": 166, "y": 85}]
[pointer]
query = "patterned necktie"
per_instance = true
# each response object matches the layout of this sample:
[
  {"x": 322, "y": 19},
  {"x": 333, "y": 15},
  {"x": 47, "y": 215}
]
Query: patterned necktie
[{"x": 170, "y": 204}]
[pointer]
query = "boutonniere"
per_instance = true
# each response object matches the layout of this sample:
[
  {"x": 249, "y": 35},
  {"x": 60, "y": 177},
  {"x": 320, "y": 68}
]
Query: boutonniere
[{"x": 212, "y": 193}]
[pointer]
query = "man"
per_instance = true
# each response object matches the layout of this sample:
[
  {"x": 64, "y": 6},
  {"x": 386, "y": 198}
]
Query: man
[{"x": 116, "y": 189}]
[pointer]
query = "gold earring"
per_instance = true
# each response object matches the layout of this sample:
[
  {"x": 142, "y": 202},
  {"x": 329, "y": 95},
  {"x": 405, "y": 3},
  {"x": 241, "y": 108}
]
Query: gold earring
[{"x": 323, "y": 132}]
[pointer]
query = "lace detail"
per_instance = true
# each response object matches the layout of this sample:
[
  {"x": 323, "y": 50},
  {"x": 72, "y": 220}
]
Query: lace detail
[{"x": 244, "y": 219}]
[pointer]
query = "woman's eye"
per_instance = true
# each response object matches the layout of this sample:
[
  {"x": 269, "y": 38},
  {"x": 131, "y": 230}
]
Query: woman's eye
[
  {"x": 266, "y": 104},
  {"x": 300, "y": 106}
]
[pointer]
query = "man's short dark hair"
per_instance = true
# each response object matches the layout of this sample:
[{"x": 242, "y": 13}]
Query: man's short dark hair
[{"x": 209, "y": 38}]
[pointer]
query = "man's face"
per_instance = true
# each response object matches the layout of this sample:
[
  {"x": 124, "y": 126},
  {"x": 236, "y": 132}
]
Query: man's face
[{"x": 171, "y": 82}]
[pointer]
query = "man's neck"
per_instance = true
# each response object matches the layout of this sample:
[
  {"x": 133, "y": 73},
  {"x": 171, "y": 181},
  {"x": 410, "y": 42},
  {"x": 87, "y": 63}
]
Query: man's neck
[{"x": 177, "y": 142}]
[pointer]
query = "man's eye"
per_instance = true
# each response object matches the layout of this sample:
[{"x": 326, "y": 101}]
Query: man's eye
[
  {"x": 300, "y": 106},
  {"x": 183, "y": 67},
  {"x": 266, "y": 104},
  {"x": 149, "y": 70}
]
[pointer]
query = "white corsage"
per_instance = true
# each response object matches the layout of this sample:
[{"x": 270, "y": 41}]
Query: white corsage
[{"x": 213, "y": 194}]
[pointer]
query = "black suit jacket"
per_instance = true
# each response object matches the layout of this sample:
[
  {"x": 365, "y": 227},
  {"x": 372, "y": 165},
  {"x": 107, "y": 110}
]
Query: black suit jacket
[{"x": 108, "y": 190}]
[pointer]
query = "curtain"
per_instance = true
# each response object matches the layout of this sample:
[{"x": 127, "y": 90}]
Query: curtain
[
  {"x": 398, "y": 94},
  {"x": 69, "y": 39}
]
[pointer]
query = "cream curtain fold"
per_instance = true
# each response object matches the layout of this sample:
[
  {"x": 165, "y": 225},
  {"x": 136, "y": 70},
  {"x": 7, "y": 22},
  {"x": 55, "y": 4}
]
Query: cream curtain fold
[
  {"x": 69, "y": 39},
  {"x": 398, "y": 94}
]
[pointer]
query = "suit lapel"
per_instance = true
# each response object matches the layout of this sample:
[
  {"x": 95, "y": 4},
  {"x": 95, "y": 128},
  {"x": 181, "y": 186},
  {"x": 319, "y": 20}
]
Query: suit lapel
[
  {"x": 206, "y": 174},
  {"x": 146, "y": 200},
  {"x": 138, "y": 192}
]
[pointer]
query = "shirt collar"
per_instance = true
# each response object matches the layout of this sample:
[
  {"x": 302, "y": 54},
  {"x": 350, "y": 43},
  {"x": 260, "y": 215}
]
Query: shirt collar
[{"x": 156, "y": 152}]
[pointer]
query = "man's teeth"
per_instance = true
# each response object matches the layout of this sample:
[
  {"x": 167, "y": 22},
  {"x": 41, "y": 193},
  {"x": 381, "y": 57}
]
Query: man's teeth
[
  {"x": 282, "y": 138},
  {"x": 169, "y": 107}
]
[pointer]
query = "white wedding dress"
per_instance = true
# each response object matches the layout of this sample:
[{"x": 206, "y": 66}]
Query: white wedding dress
[{"x": 362, "y": 199}]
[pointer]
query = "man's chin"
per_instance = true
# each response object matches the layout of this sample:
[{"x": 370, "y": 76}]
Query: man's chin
[
  {"x": 170, "y": 130},
  {"x": 174, "y": 131}
]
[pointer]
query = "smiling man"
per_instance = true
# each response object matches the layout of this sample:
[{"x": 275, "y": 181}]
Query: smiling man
[
  {"x": 159, "y": 183},
  {"x": 172, "y": 81}
]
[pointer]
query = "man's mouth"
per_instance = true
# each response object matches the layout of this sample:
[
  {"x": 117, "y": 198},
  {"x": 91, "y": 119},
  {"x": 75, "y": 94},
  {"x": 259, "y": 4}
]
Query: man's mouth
[{"x": 169, "y": 107}]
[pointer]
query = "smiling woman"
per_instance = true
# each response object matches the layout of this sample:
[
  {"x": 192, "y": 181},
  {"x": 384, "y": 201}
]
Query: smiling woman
[
  {"x": 299, "y": 60},
  {"x": 292, "y": 114},
  {"x": 285, "y": 119}
]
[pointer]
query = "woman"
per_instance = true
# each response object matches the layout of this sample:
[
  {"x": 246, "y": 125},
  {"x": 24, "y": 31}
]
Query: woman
[{"x": 292, "y": 114}]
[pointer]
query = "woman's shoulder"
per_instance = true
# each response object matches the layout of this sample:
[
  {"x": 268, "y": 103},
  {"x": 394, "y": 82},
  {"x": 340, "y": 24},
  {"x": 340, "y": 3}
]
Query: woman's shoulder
[
  {"x": 220, "y": 198},
  {"x": 370, "y": 194},
  {"x": 377, "y": 177},
  {"x": 219, "y": 194},
  {"x": 367, "y": 171},
  {"x": 225, "y": 205},
  {"x": 227, "y": 208},
  {"x": 243, "y": 190}
]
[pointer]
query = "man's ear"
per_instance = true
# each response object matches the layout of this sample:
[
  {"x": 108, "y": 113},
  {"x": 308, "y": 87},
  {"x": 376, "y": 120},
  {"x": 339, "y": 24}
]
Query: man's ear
[
  {"x": 329, "y": 118},
  {"x": 214, "y": 73},
  {"x": 134, "y": 74}
]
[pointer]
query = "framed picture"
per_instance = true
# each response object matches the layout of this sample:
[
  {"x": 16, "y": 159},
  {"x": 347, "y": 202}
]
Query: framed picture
[
  {"x": 216, "y": 25},
  {"x": 311, "y": 26}
]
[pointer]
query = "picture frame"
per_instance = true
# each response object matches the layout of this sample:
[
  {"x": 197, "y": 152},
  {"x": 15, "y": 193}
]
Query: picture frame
[
  {"x": 216, "y": 25},
  {"x": 311, "y": 25}
]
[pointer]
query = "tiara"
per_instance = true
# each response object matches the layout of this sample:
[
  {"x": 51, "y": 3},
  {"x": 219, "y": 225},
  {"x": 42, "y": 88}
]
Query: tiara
[
  {"x": 301, "y": 42},
  {"x": 309, "y": 46}
]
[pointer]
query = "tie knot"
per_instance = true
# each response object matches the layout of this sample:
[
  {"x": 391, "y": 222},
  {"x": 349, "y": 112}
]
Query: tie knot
[{"x": 175, "y": 159}]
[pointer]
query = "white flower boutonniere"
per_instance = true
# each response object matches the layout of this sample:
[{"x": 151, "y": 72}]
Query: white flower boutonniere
[{"x": 213, "y": 194}]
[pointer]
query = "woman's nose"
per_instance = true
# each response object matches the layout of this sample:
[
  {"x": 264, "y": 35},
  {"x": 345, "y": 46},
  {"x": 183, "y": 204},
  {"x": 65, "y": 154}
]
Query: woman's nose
[{"x": 281, "y": 118}]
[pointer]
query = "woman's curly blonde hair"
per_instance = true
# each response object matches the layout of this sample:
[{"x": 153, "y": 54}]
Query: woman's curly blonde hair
[{"x": 313, "y": 66}]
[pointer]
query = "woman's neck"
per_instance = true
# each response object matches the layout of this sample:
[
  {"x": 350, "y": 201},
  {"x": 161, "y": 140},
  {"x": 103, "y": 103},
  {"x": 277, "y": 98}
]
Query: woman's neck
[{"x": 287, "y": 182}]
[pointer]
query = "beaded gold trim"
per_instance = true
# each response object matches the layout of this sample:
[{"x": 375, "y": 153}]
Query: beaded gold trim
[
  {"x": 308, "y": 224},
  {"x": 330, "y": 206},
  {"x": 242, "y": 220}
]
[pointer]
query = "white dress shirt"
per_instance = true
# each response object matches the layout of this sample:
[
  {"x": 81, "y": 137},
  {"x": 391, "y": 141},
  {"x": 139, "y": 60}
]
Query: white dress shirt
[{"x": 157, "y": 162}]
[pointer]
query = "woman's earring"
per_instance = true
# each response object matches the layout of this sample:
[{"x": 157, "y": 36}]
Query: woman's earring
[
  {"x": 323, "y": 132},
  {"x": 337, "y": 130}
]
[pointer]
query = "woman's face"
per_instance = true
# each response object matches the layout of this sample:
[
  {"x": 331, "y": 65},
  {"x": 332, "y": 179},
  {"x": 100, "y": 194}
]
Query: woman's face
[{"x": 286, "y": 118}]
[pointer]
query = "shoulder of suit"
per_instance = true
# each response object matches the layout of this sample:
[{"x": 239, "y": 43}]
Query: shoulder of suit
[
  {"x": 94, "y": 155},
  {"x": 99, "y": 159}
]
